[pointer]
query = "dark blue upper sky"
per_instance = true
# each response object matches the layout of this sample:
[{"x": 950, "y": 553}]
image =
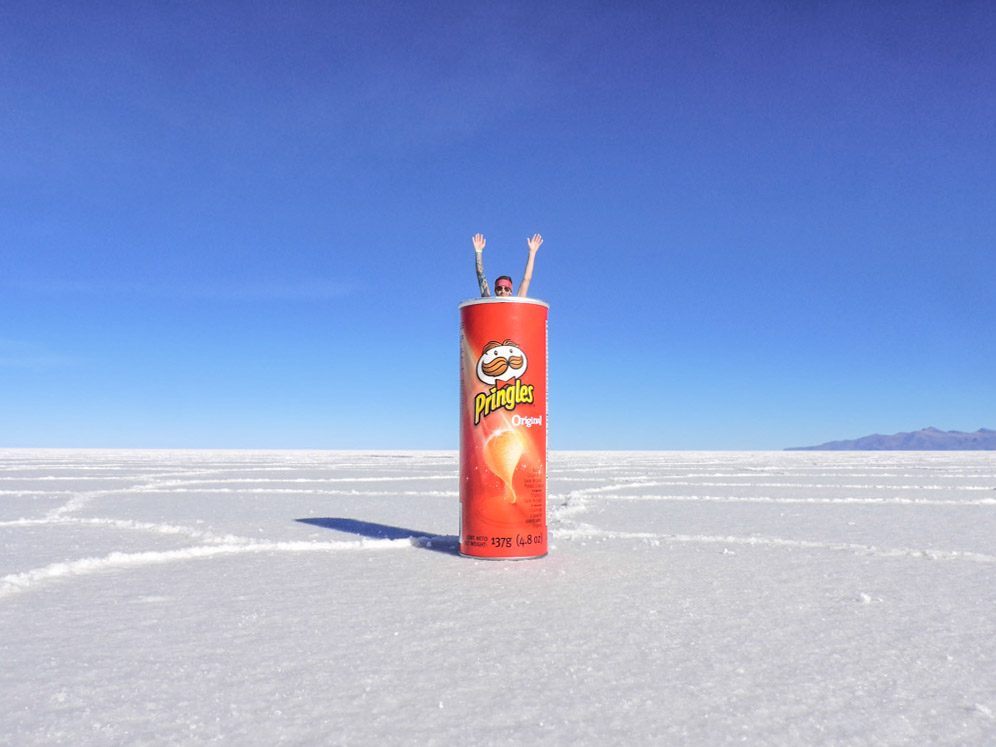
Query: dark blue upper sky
[{"x": 249, "y": 224}]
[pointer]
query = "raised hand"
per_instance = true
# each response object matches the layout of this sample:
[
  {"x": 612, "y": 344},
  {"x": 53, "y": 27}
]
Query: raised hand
[
  {"x": 478, "y": 243},
  {"x": 534, "y": 242}
]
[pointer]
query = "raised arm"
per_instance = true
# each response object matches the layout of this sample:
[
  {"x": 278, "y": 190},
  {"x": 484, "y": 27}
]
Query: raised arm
[
  {"x": 533, "y": 244},
  {"x": 479, "y": 258}
]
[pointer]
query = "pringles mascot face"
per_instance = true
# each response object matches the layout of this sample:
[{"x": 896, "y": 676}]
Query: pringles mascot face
[{"x": 501, "y": 361}]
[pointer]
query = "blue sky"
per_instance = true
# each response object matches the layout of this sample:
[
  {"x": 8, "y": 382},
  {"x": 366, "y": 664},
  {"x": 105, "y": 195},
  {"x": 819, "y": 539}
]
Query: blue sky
[{"x": 245, "y": 224}]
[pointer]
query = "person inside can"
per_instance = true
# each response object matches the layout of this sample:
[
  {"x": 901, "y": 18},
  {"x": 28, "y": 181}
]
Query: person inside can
[{"x": 503, "y": 285}]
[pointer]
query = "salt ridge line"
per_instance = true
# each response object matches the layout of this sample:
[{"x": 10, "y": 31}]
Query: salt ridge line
[
  {"x": 80, "y": 500},
  {"x": 612, "y": 486},
  {"x": 896, "y": 500},
  {"x": 141, "y": 526},
  {"x": 158, "y": 467},
  {"x": 18, "y": 582},
  {"x": 177, "y": 479},
  {"x": 179, "y": 489},
  {"x": 953, "y": 474},
  {"x": 73, "y": 478},
  {"x": 851, "y": 486},
  {"x": 131, "y": 477},
  {"x": 296, "y": 491},
  {"x": 590, "y": 532},
  {"x": 192, "y": 475},
  {"x": 317, "y": 480},
  {"x": 38, "y": 493},
  {"x": 132, "y": 472}
]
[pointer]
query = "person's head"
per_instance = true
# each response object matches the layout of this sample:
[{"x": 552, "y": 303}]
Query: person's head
[{"x": 503, "y": 286}]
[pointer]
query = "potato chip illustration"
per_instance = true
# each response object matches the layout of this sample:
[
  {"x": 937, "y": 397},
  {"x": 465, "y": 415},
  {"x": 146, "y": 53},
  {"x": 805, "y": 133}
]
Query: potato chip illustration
[{"x": 502, "y": 453}]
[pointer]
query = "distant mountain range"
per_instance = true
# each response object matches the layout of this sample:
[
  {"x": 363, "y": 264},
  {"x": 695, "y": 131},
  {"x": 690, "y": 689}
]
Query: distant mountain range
[{"x": 928, "y": 439}]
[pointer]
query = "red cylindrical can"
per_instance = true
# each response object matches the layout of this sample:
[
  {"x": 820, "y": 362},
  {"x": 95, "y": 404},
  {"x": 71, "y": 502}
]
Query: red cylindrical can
[{"x": 503, "y": 378}]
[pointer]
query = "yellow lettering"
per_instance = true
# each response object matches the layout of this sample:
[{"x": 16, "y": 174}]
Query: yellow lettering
[
  {"x": 480, "y": 401},
  {"x": 506, "y": 398}
]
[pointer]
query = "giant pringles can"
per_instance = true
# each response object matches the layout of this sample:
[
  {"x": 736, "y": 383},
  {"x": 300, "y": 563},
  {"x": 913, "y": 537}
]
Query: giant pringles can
[{"x": 503, "y": 344}]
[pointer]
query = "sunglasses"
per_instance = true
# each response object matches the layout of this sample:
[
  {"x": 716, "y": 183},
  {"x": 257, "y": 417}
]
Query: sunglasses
[{"x": 503, "y": 288}]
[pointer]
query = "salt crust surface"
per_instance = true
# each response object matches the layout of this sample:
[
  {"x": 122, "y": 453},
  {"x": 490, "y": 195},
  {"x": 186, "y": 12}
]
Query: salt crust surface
[{"x": 317, "y": 598}]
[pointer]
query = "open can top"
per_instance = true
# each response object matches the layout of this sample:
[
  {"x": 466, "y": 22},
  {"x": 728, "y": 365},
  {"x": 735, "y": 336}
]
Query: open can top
[{"x": 510, "y": 299}]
